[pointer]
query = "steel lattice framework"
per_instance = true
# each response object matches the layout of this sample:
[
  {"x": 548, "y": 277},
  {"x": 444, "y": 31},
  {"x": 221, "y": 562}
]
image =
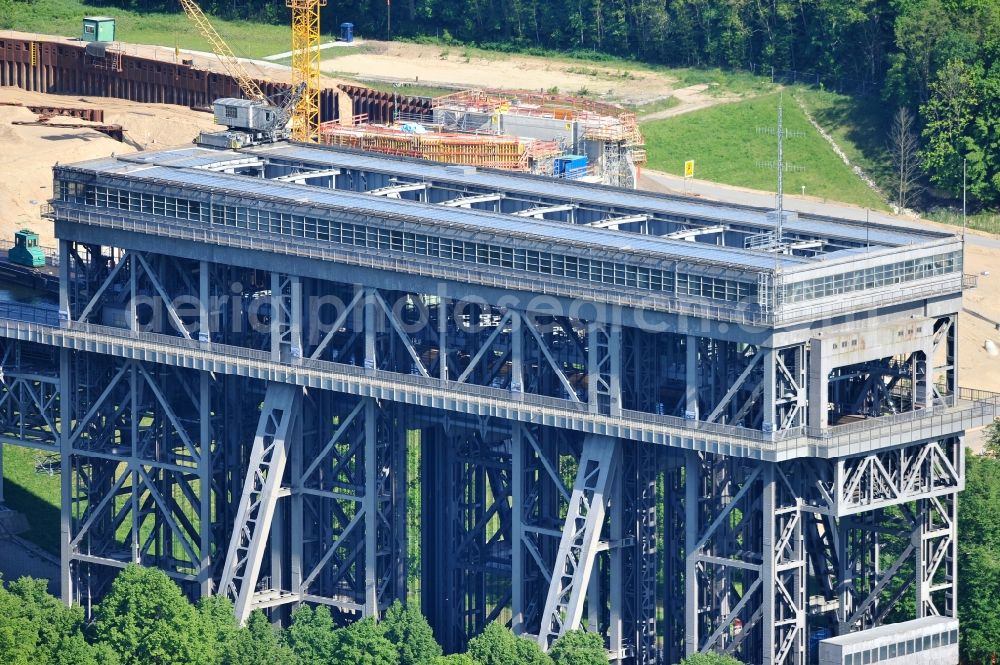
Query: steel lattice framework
[{"x": 251, "y": 409}]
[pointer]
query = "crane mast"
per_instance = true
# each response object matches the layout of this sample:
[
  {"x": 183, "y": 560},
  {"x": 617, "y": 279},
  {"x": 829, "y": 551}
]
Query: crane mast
[{"x": 305, "y": 67}]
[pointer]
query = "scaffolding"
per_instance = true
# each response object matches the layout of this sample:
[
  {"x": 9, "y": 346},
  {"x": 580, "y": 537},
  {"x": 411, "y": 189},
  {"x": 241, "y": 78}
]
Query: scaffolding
[
  {"x": 499, "y": 152},
  {"x": 612, "y": 132}
]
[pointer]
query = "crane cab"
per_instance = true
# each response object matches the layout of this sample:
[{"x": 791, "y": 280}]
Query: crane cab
[
  {"x": 248, "y": 122},
  {"x": 245, "y": 114},
  {"x": 26, "y": 251}
]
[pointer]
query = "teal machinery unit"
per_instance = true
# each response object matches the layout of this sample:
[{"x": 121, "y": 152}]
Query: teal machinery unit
[{"x": 26, "y": 251}]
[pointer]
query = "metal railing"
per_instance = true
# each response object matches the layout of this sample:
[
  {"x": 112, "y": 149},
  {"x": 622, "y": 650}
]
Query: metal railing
[
  {"x": 742, "y": 313},
  {"x": 15, "y": 311},
  {"x": 972, "y": 406}
]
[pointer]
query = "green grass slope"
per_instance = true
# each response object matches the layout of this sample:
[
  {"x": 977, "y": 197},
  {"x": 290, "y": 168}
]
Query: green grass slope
[
  {"x": 727, "y": 147},
  {"x": 64, "y": 17},
  {"x": 34, "y": 494}
]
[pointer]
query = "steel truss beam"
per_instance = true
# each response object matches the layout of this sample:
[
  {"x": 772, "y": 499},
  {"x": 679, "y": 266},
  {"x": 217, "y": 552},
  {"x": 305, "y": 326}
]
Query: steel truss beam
[
  {"x": 136, "y": 472},
  {"x": 278, "y": 426},
  {"x": 467, "y": 547},
  {"x": 581, "y": 538},
  {"x": 892, "y": 477},
  {"x": 29, "y": 396}
]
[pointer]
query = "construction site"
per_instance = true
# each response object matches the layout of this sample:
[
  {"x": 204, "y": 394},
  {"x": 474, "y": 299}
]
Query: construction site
[{"x": 684, "y": 425}]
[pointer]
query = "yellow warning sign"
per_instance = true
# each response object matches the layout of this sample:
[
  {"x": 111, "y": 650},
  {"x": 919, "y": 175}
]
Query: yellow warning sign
[{"x": 689, "y": 168}]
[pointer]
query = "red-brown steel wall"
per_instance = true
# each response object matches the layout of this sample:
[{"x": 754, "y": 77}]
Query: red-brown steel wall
[{"x": 66, "y": 69}]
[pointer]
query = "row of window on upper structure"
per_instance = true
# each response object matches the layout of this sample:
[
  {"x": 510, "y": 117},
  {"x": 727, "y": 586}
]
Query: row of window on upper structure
[
  {"x": 901, "y": 648},
  {"x": 871, "y": 278},
  {"x": 360, "y": 235}
]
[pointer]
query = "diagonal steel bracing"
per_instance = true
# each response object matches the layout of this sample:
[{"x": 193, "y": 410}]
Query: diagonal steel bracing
[
  {"x": 278, "y": 420},
  {"x": 581, "y": 537}
]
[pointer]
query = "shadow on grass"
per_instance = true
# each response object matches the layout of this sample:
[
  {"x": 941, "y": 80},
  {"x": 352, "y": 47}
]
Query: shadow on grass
[
  {"x": 43, "y": 517},
  {"x": 863, "y": 121}
]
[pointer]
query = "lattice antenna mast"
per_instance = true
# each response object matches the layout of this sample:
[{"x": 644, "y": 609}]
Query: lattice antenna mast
[
  {"x": 305, "y": 67},
  {"x": 781, "y": 133},
  {"x": 778, "y": 235},
  {"x": 222, "y": 51}
]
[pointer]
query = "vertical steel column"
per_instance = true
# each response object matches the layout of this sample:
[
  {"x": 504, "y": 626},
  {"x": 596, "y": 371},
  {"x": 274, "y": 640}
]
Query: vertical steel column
[
  {"x": 467, "y": 546},
  {"x": 204, "y": 302},
  {"x": 66, "y": 391},
  {"x": 517, "y": 507},
  {"x": 443, "y": 318},
  {"x": 370, "y": 506},
  {"x": 691, "y": 378},
  {"x": 770, "y": 397},
  {"x": 370, "y": 308},
  {"x": 935, "y": 533},
  {"x": 783, "y": 571},
  {"x": 516, "y": 358},
  {"x": 819, "y": 384},
  {"x": 692, "y": 516},
  {"x": 205, "y": 466}
]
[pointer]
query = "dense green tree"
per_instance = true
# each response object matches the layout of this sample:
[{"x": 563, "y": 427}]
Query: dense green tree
[
  {"x": 529, "y": 653},
  {"x": 455, "y": 659},
  {"x": 218, "y": 626},
  {"x": 18, "y": 633},
  {"x": 948, "y": 113},
  {"x": 407, "y": 628},
  {"x": 146, "y": 620},
  {"x": 710, "y": 659},
  {"x": 497, "y": 645},
  {"x": 36, "y": 628},
  {"x": 311, "y": 635},
  {"x": 579, "y": 648},
  {"x": 979, "y": 560},
  {"x": 363, "y": 643},
  {"x": 257, "y": 644},
  {"x": 991, "y": 439}
]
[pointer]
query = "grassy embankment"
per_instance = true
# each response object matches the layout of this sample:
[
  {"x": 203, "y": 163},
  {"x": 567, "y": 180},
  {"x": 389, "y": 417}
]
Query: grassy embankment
[{"x": 733, "y": 144}]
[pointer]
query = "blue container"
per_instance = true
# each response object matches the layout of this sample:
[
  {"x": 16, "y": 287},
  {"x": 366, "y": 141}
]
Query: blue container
[
  {"x": 571, "y": 166},
  {"x": 347, "y": 32}
]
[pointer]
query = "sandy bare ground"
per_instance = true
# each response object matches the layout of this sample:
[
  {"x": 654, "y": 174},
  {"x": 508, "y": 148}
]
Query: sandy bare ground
[
  {"x": 432, "y": 64},
  {"x": 449, "y": 66},
  {"x": 31, "y": 151},
  {"x": 978, "y": 369}
]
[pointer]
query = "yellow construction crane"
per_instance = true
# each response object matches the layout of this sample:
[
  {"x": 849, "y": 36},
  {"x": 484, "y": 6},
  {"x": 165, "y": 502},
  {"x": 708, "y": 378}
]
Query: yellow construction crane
[
  {"x": 305, "y": 67},
  {"x": 224, "y": 53}
]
